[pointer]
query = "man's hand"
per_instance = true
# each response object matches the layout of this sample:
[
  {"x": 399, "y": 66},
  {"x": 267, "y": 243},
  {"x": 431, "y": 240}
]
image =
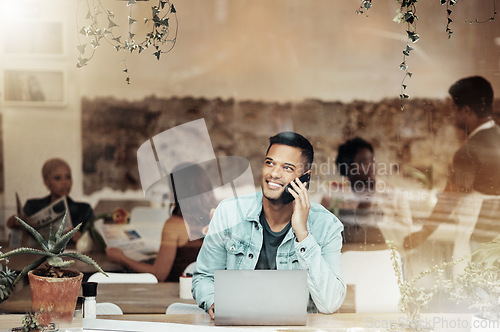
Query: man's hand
[
  {"x": 301, "y": 207},
  {"x": 211, "y": 312}
]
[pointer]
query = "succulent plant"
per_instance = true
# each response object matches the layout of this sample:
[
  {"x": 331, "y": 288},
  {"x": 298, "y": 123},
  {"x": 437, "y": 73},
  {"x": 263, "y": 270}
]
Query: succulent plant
[
  {"x": 52, "y": 251},
  {"x": 7, "y": 278}
]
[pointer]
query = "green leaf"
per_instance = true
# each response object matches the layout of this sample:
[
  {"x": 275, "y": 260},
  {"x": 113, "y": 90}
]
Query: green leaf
[
  {"x": 58, "y": 262},
  {"x": 28, "y": 268},
  {"x": 85, "y": 259},
  {"x": 414, "y": 37},
  {"x": 39, "y": 238},
  {"x": 61, "y": 226},
  {"x": 25, "y": 251},
  {"x": 81, "y": 48},
  {"x": 62, "y": 241},
  {"x": 111, "y": 24}
]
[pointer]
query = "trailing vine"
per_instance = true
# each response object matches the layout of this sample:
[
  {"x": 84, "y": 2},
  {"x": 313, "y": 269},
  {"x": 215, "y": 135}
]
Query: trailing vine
[
  {"x": 449, "y": 4},
  {"x": 364, "y": 6},
  {"x": 160, "y": 36},
  {"x": 407, "y": 14},
  {"x": 492, "y": 18}
]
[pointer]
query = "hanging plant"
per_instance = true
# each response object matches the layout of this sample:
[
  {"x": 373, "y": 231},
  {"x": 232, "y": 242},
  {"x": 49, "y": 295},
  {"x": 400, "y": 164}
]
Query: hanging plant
[
  {"x": 101, "y": 28},
  {"x": 407, "y": 14}
]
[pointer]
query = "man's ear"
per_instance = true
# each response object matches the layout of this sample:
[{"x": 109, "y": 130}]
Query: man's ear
[{"x": 467, "y": 110}]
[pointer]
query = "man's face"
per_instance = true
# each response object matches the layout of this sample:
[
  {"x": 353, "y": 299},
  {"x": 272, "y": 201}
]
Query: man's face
[
  {"x": 460, "y": 117},
  {"x": 283, "y": 163},
  {"x": 363, "y": 168},
  {"x": 59, "y": 182}
]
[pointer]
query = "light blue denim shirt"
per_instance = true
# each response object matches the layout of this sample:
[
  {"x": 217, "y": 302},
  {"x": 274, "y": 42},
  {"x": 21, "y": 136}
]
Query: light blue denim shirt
[{"x": 235, "y": 238}]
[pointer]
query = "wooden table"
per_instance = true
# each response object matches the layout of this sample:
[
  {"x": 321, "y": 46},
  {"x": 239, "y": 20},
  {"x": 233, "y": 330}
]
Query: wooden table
[
  {"x": 315, "y": 322},
  {"x": 135, "y": 298}
]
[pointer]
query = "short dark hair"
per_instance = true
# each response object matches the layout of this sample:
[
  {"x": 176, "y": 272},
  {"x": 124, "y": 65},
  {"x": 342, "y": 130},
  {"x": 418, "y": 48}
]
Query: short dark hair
[
  {"x": 474, "y": 91},
  {"x": 297, "y": 141},
  {"x": 347, "y": 152}
]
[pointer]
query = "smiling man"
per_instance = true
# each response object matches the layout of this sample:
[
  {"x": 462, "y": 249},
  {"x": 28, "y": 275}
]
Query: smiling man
[{"x": 263, "y": 231}]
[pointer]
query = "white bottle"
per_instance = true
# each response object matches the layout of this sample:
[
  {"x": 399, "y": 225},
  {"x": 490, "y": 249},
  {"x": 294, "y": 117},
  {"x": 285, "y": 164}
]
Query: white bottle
[{"x": 89, "y": 291}]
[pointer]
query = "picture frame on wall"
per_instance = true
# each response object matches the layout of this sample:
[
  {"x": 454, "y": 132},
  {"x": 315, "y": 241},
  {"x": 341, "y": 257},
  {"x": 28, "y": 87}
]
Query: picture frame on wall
[{"x": 25, "y": 87}]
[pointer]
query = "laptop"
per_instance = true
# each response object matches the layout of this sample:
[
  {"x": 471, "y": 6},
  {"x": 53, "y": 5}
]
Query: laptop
[{"x": 261, "y": 297}]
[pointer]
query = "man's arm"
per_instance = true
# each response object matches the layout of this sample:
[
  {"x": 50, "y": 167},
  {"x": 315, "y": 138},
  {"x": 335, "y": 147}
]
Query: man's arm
[
  {"x": 323, "y": 265},
  {"x": 212, "y": 257}
]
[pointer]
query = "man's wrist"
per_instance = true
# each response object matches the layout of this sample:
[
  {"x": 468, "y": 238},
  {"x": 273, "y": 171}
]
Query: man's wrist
[{"x": 300, "y": 236}]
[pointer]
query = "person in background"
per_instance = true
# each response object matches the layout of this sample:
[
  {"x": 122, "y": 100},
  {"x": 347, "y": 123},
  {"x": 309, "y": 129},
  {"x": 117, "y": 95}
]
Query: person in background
[
  {"x": 371, "y": 213},
  {"x": 264, "y": 231},
  {"x": 474, "y": 173},
  {"x": 183, "y": 232},
  {"x": 56, "y": 175}
]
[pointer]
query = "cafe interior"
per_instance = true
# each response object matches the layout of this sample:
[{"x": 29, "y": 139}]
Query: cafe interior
[{"x": 96, "y": 82}]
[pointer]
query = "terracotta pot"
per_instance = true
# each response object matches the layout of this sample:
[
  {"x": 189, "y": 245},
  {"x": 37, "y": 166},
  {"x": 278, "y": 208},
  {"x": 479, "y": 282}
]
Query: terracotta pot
[{"x": 55, "y": 298}]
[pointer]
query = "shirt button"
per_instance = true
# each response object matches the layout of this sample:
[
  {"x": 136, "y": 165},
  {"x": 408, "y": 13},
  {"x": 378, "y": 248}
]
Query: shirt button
[
  {"x": 250, "y": 256},
  {"x": 302, "y": 250}
]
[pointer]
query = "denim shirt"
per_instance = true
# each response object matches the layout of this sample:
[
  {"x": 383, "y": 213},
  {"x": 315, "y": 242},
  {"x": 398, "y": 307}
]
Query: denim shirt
[{"x": 235, "y": 238}]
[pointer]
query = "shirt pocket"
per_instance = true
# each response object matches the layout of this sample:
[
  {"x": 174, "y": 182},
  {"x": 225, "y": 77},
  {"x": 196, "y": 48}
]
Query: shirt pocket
[
  {"x": 236, "y": 250},
  {"x": 288, "y": 261}
]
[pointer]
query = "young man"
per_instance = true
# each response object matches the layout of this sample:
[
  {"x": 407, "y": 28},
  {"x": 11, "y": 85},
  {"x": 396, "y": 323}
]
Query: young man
[
  {"x": 261, "y": 231},
  {"x": 476, "y": 163}
]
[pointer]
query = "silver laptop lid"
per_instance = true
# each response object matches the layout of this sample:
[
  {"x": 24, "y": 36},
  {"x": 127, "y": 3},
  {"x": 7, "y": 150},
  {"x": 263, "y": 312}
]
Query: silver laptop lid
[{"x": 261, "y": 297}]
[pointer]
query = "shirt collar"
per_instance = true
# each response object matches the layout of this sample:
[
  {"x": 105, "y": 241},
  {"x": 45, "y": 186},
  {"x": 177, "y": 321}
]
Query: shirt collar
[{"x": 486, "y": 125}]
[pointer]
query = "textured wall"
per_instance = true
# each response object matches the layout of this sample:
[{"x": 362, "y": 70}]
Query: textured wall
[{"x": 420, "y": 136}]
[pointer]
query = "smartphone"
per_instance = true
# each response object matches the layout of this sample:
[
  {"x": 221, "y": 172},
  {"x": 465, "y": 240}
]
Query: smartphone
[{"x": 286, "y": 197}]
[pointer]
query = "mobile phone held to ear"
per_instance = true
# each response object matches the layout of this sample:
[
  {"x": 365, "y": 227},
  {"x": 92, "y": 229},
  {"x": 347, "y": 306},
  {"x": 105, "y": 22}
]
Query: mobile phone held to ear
[{"x": 286, "y": 197}]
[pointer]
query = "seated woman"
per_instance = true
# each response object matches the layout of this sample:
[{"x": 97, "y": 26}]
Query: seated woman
[
  {"x": 370, "y": 213},
  {"x": 183, "y": 232},
  {"x": 57, "y": 178}
]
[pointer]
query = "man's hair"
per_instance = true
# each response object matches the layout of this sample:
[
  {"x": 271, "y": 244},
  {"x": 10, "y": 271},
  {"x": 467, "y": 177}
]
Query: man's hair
[
  {"x": 474, "y": 91},
  {"x": 297, "y": 141},
  {"x": 347, "y": 152}
]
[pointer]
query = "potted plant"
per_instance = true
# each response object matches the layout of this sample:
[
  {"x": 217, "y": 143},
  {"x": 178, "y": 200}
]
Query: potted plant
[{"x": 54, "y": 288}]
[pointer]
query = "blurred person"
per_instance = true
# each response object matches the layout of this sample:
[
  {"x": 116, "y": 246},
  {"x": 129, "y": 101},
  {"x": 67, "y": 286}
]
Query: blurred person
[
  {"x": 266, "y": 231},
  {"x": 56, "y": 175},
  {"x": 474, "y": 173},
  {"x": 370, "y": 211},
  {"x": 183, "y": 232}
]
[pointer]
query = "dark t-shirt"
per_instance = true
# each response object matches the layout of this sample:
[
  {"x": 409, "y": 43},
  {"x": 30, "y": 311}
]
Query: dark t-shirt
[{"x": 270, "y": 244}]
